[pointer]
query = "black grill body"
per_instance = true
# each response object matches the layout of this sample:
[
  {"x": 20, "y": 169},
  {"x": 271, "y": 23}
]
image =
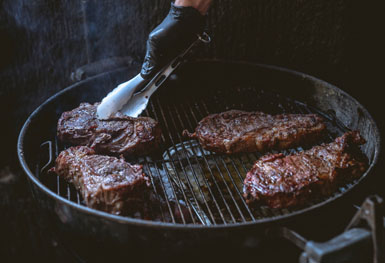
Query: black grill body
[{"x": 195, "y": 90}]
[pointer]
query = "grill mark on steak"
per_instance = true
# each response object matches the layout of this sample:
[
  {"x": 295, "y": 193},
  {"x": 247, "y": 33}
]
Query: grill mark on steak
[
  {"x": 106, "y": 183},
  {"x": 237, "y": 131},
  {"x": 283, "y": 181},
  {"x": 118, "y": 135}
]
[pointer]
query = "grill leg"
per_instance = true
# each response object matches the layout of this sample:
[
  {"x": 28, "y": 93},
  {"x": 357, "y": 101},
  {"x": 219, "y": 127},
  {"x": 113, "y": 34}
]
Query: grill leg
[{"x": 362, "y": 241}]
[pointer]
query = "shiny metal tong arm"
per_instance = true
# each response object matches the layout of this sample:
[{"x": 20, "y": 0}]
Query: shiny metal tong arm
[{"x": 123, "y": 99}]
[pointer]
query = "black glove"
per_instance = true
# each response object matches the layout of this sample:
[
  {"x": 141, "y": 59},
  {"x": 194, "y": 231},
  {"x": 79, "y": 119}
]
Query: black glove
[{"x": 176, "y": 32}]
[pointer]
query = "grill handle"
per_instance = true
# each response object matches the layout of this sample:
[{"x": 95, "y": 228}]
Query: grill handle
[{"x": 363, "y": 238}]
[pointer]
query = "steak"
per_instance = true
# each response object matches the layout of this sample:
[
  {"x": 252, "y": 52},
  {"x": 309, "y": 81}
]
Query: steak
[
  {"x": 118, "y": 135},
  {"x": 283, "y": 181},
  {"x": 106, "y": 183},
  {"x": 237, "y": 131}
]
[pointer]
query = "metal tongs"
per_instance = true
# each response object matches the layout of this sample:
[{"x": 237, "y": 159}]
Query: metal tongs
[{"x": 131, "y": 97}]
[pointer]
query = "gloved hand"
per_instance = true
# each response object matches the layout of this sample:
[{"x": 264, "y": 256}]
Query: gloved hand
[{"x": 176, "y": 32}]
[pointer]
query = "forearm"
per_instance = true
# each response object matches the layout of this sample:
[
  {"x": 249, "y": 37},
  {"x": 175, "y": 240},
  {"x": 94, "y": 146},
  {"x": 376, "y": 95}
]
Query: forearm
[{"x": 201, "y": 5}]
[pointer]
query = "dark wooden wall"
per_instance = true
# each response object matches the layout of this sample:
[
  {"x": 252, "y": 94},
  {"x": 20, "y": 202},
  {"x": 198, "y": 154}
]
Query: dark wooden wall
[{"x": 43, "y": 41}]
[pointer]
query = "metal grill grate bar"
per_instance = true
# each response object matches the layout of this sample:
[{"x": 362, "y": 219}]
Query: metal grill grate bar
[
  {"x": 164, "y": 191},
  {"x": 195, "y": 201},
  {"x": 213, "y": 157},
  {"x": 199, "y": 109},
  {"x": 202, "y": 171},
  {"x": 174, "y": 192},
  {"x": 57, "y": 177},
  {"x": 231, "y": 177},
  {"x": 223, "y": 199},
  {"x": 164, "y": 120},
  {"x": 157, "y": 197}
]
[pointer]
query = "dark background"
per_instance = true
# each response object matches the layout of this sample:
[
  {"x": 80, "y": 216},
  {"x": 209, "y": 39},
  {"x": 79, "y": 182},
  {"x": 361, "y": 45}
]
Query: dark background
[{"x": 43, "y": 41}]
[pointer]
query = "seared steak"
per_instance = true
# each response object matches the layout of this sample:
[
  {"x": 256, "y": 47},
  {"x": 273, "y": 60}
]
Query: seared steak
[
  {"x": 118, "y": 135},
  {"x": 282, "y": 181},
  {"x": 106, "y": 183},
  {"x": 239, "y": 131}
]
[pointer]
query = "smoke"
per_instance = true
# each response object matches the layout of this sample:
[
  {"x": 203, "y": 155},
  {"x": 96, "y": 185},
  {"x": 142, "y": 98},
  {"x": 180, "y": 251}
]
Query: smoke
[
  {"x": 44, "y": 41},
  {"x": 31, "y": 15},
  {"x": 103, "y": 29},
  {"x": 42, "y": 48}
]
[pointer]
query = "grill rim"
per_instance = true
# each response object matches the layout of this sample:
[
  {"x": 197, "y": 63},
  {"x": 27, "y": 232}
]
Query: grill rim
[{"x": 156, "y": 224}]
